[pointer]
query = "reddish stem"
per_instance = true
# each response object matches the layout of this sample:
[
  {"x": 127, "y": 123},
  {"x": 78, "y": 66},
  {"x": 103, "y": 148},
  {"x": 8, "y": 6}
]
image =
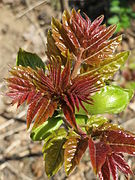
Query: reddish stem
[
  {"x": 81, "y": 132},
  {"x": 77, "y": 63},
  {"x": 78, "y": 130}
]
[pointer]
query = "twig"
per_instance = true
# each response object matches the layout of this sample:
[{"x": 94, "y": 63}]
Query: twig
[
  {"x": 21, "y": 114},
  {"x": 36, "y": 25},
  {"x": 2, "y": 166},
  {"x": 77, "y": 63},
  {"x": 16, "y": 119},
  {"x": 12, "y": 146},
  {"x": 18, "y": 158},
  {"x": 64, "y": 5},
  {"x": 16, "y": 172},
  {"x": 39, "y": 30},
  {"x": 20, "y": 15},
  {"x": 4, "y": 125},
  {"x": 9, "y": 133}
]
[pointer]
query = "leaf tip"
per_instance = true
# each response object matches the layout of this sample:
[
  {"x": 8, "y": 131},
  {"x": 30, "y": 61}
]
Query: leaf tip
[{"x": 126, "y": 54}]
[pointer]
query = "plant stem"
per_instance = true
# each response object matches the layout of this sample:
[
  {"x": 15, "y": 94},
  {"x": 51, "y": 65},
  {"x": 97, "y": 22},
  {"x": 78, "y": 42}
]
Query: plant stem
[
  {"x": 78, "y": 130},
  {"x": 77, "y": 63}
]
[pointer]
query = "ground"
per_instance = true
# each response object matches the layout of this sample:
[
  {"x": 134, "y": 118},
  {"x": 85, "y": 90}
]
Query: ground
[{"x": 20, "y": 158}]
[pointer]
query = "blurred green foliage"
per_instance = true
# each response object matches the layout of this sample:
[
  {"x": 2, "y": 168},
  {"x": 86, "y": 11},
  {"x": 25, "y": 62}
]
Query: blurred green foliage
[{"x": 121, "y": 14}]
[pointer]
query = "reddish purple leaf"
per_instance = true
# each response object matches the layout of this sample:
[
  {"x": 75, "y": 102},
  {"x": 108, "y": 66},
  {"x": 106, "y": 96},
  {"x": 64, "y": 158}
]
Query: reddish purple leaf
[
  {"x": 118, "y": 139},
  {"x": 47, "y": 110},
  {"x": 121, "y": 164},
  {"x": 115, "y": 140},
  {"x": 105, "y": 172},
  {"x": 112, "y": 167},
  {"x": 43, "y": 92},
  {"x": 33, "y": 108},
  {"x": 77, "y": 33},
  {"x": 98, "y": 153},
  {"x": 70, "y": 117}
]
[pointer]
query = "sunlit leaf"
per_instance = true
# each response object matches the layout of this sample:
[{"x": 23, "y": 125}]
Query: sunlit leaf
[
  {"x": 98, "y": 152},
  {"x": 105, "y": 172},
  {"x": 106, "y": 50},
  {"x": 43, "y": 92},
  {"x": 121, "y": 164},
  {"x": 112, "y": 168},
  {"x": 76, "y": 32},
  {"x": 60, "y": 36},
  {"x": 113, "y": 163},
  {"x": 41, "y": 132},
  {"x": 118, "y": 139},
  {"x": 109, "y": 66},
  {"x": 106, "y": 153},
  {"x": 53, "y": 151},
  {"x": 25, "y": 59},
  {"x": 81, "y": 120},
  {"x": 27, "y": 85},
  {"x": 111, "y": 99},
  {"x": 94, "y": 122},
  {"x": 52, "y": 49},
  {"x": 105, "y": 161},
  {"x": 74, "y": 149}
]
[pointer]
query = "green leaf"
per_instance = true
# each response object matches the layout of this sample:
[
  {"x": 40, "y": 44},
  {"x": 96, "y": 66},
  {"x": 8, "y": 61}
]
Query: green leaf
[
  {"x": 53, "y": 151},
  {"x": 111, "y": 99},
  {"x": 115, "y": 9},
  {"x": 81, "y": 119},
  {"x": 96, "y": 121},
  {"x": 119, "y": 27},
  {"x": 25, "y": 59},
  {"x": 125, "y": 21},
  {"x": 109, "y": 66},
  {"x": 133, "y": 15},
  {"x": 132, "y": 65},
  {"x": 46, "y": 129},
  {"x": 115, "y": 3},
  {"x": 129, "y": 10}
]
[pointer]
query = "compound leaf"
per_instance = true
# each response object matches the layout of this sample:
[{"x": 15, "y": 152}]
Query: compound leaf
[
  {"x": 118, "y": 139},
  {"x": 76, "y": 32},
  {"x": 105, "y": 161},
  {"x": 26, "y": 85}
]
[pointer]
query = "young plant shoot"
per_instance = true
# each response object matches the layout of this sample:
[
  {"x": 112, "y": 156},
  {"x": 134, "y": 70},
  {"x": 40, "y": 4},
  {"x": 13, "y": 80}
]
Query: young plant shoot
[{"x": 67, "y": 95}]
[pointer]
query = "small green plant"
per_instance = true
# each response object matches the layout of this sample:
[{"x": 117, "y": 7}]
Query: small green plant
[
  {"x": 68, "y": 94},
  {"x": 121, "y": 14}
]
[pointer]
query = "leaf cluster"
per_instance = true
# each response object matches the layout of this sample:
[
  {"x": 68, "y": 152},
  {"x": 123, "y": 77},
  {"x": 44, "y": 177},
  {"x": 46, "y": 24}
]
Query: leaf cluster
[{"x": 67, "y": 95}]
